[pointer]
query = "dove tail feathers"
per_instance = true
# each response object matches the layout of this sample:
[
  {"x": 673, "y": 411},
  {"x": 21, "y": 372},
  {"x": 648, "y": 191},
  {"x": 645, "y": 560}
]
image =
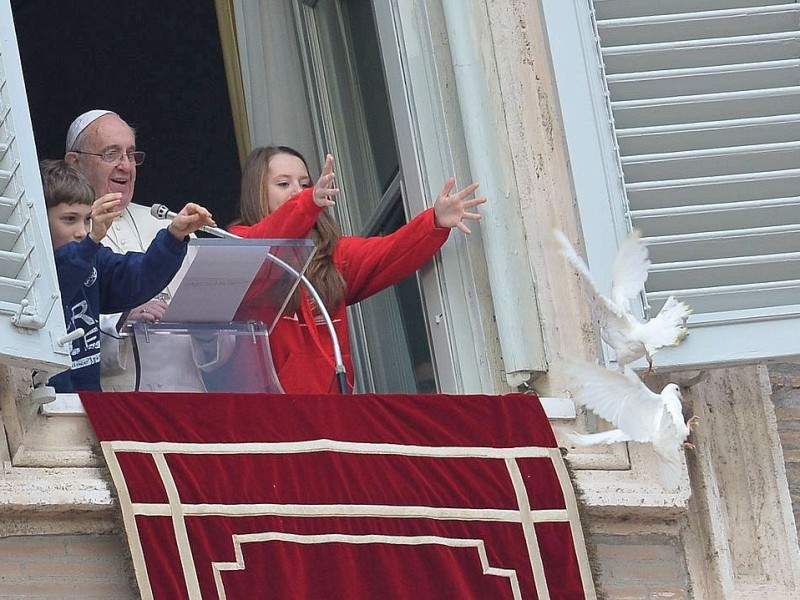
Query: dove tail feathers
[
  {"x": 670, "y": 471},
  {"x": 668, "y": 327},
  {"x": 570, "y": 254},
  {"x": 604, "y": 437}
]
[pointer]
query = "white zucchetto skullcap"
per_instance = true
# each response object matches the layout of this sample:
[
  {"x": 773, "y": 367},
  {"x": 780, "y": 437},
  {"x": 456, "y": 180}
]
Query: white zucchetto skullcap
[{"x": 82, "y": 122}]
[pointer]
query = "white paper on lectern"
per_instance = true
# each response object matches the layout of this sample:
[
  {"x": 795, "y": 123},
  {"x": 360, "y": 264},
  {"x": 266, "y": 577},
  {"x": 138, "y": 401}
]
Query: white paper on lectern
[{"x": 215, "y": 282}]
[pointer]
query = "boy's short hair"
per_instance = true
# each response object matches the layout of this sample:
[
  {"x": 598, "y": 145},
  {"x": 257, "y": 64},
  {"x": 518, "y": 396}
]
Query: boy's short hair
[{"x": 64, "y": 183}]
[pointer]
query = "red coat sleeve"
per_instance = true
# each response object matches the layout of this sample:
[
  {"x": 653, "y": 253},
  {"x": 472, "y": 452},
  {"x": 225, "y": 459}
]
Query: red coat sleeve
[
  {"x": 293, "y": 220},
  {"x": 370, "y": 265}
]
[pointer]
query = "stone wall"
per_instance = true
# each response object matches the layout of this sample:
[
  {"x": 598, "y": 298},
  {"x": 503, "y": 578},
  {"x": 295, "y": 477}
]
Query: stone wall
[
  {"x": 66, "y": 566},
  {"x": 785, "y": 380},
  {"x": 632, "y": 567}
]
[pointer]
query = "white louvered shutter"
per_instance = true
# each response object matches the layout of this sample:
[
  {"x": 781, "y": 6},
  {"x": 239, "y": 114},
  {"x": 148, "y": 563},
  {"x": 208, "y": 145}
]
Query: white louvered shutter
[
  {"x": 31, "y": 318},
  {"x": 696, "y": 104}
]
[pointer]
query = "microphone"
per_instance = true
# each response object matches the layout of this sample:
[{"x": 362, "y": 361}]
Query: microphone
[{"x": 159, "y": 211}]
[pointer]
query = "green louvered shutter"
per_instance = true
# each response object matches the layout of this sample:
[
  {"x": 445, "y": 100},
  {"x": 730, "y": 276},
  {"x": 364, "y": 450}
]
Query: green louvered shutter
[
  {"x": 31, "y": 318},
  {"x": 687, "y": 126}
]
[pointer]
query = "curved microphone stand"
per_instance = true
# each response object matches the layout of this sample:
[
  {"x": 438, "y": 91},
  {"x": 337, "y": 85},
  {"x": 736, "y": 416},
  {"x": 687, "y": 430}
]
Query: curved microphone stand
[{"x": 341, "y": 375}]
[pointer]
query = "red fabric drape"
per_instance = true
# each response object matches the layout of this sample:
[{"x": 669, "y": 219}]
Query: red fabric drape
[{"x": 334, "y": 497}]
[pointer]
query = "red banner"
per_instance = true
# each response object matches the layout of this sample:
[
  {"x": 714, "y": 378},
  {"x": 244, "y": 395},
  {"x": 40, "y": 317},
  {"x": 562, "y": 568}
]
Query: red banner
[{"x": 342, "y": 497}]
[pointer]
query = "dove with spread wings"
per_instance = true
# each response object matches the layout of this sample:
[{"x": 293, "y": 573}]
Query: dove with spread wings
[
  {"x": 639, "y": 414},
  {"x": 630, "y": 337}
]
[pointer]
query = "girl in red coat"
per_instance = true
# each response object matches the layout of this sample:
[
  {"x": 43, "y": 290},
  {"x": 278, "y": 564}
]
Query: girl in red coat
[{"x": 280, "y": 201}]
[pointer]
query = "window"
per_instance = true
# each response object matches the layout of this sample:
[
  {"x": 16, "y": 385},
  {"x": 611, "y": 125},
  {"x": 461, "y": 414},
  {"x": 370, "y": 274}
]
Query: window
[
  {"x": 389, "y": 111},
  {"x": 682, "y": 122}
]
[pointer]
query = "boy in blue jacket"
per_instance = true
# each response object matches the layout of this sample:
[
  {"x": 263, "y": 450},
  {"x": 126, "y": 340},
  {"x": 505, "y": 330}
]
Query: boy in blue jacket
[{"x": 92, "y": 278}]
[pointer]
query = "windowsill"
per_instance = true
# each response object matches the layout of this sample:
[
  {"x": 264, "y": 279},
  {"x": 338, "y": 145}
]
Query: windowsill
[
  {"x": 69, "y": 405},
  {"x": 635, "y": 491},
  {"x": 65, "y": 405}
]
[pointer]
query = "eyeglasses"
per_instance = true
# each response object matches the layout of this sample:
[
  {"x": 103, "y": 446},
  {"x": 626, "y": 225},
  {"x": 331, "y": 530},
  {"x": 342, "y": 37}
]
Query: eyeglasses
[{"x": 114, "y": 156}]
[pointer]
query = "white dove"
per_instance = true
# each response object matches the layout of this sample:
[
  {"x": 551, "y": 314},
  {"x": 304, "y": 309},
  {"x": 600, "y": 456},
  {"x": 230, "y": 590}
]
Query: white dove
[
  {"x": 630, "y": 338},
  {"x": 639, "y": 414}
]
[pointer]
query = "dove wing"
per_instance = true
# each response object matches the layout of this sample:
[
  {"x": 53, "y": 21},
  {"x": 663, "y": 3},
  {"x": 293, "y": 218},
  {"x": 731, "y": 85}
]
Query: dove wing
[
  {"x": 629, "y": 272},
  {"x": 622, "y": 400},
  {"x": 613, "y": 315}
]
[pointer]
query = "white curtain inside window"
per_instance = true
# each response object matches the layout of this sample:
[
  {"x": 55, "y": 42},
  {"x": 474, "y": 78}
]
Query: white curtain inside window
[{"x": 272, "y": 75}]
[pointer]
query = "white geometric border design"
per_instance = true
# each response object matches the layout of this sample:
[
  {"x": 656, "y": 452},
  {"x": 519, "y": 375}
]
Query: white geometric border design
[
  {"x": 405, "y": 540},
  {"x": 179, "y": 511}
]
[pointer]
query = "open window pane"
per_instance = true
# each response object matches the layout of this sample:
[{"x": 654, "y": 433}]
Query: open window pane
[{"x": 354, "y": 121}]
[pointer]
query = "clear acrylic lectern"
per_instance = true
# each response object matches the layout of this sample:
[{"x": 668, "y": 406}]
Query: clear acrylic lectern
[{"x": 232, "y": 294}]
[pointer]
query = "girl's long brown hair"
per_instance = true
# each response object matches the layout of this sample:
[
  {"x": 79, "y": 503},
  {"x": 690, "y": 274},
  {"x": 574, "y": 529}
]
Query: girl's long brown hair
[{"x": 253, "y": 206}]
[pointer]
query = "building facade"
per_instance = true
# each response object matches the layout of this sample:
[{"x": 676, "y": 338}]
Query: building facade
[{"x": 590, "y": 116}]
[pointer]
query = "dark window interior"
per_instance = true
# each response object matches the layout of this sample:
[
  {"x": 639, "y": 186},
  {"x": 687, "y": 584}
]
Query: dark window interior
[{"x": 159, "y": 65}]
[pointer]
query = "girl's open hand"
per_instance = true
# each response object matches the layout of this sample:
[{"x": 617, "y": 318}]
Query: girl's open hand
[
  {"x": 450, "y": 210},
  {"x": 323, "y": 189}
]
